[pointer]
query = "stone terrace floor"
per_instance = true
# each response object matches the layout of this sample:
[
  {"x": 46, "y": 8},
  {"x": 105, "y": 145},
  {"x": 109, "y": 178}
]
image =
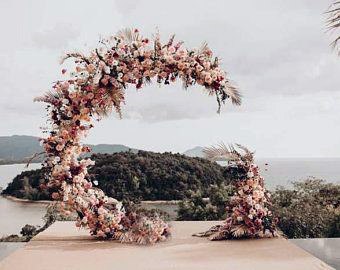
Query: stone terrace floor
[{"x": 63, "y": 246}]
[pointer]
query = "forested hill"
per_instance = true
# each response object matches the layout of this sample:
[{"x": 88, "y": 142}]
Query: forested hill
[{"x": 136, "y": 176}]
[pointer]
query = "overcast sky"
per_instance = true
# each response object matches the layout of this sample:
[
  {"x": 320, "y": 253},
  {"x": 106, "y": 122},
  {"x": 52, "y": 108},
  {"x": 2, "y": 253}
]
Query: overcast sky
[{"x": 276, "y": 51}]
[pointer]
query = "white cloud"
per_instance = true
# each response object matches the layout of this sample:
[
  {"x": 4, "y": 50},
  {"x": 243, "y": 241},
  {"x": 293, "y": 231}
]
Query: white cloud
[{"x": 276, "y": 51}]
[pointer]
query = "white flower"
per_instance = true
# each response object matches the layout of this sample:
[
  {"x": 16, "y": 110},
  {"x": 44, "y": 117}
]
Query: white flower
[
  {"x": 250, "y": 174},
  {"x": 83, "y": 74},
  {"x": 250, "y": 216},
  {"x": 71, "y": 87},
  {"x": 239, "y": 218},
  {"x": 119, "y": 206},
  {"x": 112, "y": 200},
  {"x": 249, "y": 200},
  {"x": 107, "y": 70},
  {"x": 66, "y": 101}
]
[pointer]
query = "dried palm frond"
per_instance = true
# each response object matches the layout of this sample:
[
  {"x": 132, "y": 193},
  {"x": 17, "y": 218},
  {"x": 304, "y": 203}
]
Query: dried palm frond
[
  {"x": 170, "y": 42},
  {"x": 157, "y": 43},
  {"x": 117, "y": 98},
  {"x": 213, "y": 230},
  {"x": 239, "y": 231},
  {"x": 35, "y": 155},
  {"x": 220, "y": 235},
  {"x": 333, "y": 22},
  {"x": 129, "y": 35},
  {"x": 233, "y": 94},
  {"x": 221, "y": 152},
  {"x": 204, "y": 47},
  {"x": 78, "y": 56},
  {"x": 49, "y": 97},
  {"x": 103, "y": 111},
  {"x": 244, "y": 149}
]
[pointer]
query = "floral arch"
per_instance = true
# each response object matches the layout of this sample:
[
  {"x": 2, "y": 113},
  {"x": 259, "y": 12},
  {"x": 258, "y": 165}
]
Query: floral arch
[{"x": 94, "y": 88}]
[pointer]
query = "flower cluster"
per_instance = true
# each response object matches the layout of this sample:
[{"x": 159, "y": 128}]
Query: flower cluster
[
  {"x": 248, "y": 215},
  {"x": 94, "y": 88}
]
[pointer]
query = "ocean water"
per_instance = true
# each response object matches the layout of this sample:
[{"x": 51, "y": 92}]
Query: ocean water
[
  {"x": 14, "y": 215},
  {"x": 283, "y": 171}
]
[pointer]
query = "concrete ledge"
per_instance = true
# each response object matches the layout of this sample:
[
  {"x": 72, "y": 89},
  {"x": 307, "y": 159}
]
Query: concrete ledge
[{"x": 62, "y": 246}]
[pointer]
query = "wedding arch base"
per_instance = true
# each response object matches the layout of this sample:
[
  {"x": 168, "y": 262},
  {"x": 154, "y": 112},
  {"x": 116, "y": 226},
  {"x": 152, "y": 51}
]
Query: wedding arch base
[
  {"x": 91, "y": 90},
  {"x": 247, "y": 214}
]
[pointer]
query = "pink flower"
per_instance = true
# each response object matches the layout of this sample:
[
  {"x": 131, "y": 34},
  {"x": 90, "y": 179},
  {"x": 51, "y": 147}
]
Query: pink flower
[
  {"x": 55, "y": 195},
  {"x": 171, "y": 49},
  {"x": 59, "y": 147},
  {"x": 100, "y": 233},
  {"x": 88, "y": 185},
  {"x": 208, "y": 79}
]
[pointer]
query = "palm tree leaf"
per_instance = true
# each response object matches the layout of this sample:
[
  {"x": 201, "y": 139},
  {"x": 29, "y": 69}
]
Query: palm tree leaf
[{"x": 333, "y": 22}]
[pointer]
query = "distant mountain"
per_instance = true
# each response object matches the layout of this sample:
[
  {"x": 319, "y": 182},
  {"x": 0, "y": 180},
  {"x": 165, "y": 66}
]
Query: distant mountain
[
  {"x": 110, "y": 148},
  {"x": 195, "y": 152},
  {"x": 18, "y": 148}
]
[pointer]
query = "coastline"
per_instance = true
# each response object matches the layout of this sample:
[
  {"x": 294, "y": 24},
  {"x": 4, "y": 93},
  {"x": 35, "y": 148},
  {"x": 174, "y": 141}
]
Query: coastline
[
  {"x": 13, "y": 162},
  {"x": 15, "y": 199},
  {"x": 45, "y": 202}
]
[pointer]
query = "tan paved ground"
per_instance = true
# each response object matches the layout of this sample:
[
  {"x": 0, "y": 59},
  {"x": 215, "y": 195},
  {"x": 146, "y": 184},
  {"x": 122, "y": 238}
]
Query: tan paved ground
[{"x": 62, "y": 246}]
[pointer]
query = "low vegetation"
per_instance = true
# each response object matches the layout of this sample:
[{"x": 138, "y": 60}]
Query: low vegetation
[
  {"x": 311, "y": 209},
  {"x": 198, "y": 207}
]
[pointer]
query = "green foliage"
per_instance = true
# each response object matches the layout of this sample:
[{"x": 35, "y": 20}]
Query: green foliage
[
  {"x": 154, "y": 176},
  {"x": 196, "y": 207},
  {"x": 28, "y": 230},
  {"x": 135, "y": 176},
  {"x": 27, "y": 185},
  {"x": 310, "y": 210}
]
